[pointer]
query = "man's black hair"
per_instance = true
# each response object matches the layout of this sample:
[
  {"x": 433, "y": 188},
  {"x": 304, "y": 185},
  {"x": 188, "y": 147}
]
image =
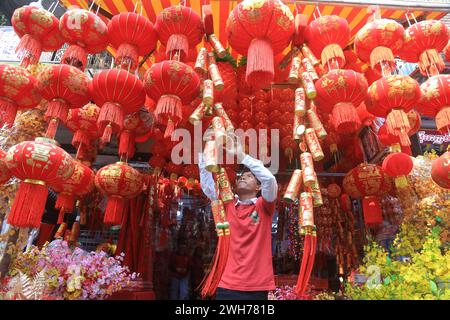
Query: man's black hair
[{"x": 246, "y": 169}]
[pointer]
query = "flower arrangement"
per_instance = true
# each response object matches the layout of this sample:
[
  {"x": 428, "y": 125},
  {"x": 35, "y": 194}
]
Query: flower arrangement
[
  {"x": 283, "y": 293},
  {"x": 72, "y": 274}
]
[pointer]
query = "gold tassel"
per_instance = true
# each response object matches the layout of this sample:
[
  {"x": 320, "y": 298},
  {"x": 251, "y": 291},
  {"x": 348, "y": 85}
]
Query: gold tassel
[
  {"x": 398, "y": 125},
  {"x": 443, "y": 119},
  {"x": 332, "y": 51},
  {"x": 431, "y": 61},
  {"x": 381, "y": 54},
  {"x": 401, "y": 182}
]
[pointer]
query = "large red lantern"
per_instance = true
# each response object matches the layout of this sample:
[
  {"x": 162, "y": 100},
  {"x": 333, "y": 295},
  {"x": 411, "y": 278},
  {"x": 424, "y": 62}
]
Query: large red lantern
[
  {"x": 18, "y": 91},
  {"x": 378, "y": 42},
  {"x": 65, "y": 87},
  {"x": 435, "y": 101},
  {"x": 173, "y": 84},
  {"x": 338, "y": 92},
  {"x": 392, "y": 141},
  {"x": 5, "y": 174},
  {"x": 326, "y": 36},
  {"x": 132, "y": 35},
  {"x": 392, "y": 97},
  {"x": 137, "y": 127},
  {"x": 80, "y": 183},
  {"x": 260, "y": 29},
  {"x": 423, "y": 42},
  {"x": 85, "y": 32},
  {"x": 398, "y": 165},
  {"x": 119, "y": 182},
  {"x": 38, "y": 30},
  {"x": 440, "y": 171},
  {"x": 83, "y": 122},
  {"x": 39, "y": 164},
  {"x": 179, "y": 28},
  {"x": 119, "y": 93}
]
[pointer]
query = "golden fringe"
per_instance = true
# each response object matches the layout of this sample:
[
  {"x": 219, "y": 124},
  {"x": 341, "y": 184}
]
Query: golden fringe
[
  {"x": 443, "y": 119},
  {"x": 381, "y": 54},
  {"x": 431, "y": 61},
  {"x": 332, "y": 51}
]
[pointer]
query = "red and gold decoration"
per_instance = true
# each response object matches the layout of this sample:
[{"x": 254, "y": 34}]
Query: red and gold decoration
[
  {"x": 5, "y": 174},
  {"x": 440, "y": 171},
  {"x": 398, "y": 165},
  {"x": 137, "y": 127}
]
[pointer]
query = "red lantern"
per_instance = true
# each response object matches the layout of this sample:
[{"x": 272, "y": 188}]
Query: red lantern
[
  {"x": 119, "y": 93},
  {"x": 398, "y": 165},
  {"x": 80, "y": 183},
  {"x": 179, "y": 28},
  {"x": 173, "y": 84},
  {"x": 365, "y": 116},
  {"x": 378, "y": 42},
  {"x": 5, "y": 174},
  {"x": 132, "y": 35},
  {"x": 18, "y": 91},
  {"x": 424, "y": 40},
  {"x": 392, "y": 97},
  {"x": 334, "y": 191},
  {"x": 326, "y": 36},
  {"x": 435, "y": 101},
  {"x": 388, "y": 139},
  {"x": 338, "y": 92},
  {"x": 368, "y": 181},
  {"x": 137, "y": 127},
  {"x": 38, "y": 30},
  {"x": 38, "y": 164},
  {"x": 157, "y": 162},
  {"x": 440, "y": 171},
  {"x": 119, "y": 182},
  {"x": 259, "y": 30},
  {"x": 85, "y": 32},
  {"x": 65, "y": 87},
  {"x": 447, "y": 51}
]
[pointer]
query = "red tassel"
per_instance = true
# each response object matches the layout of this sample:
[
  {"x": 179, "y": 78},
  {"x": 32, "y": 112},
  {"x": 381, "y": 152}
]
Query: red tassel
[
  {"x": 65, "y": 200},
  {"x": 61, "y": 216},
  {"x": 309, "y": 267},
  {"x": 52, "y": 128},
  {"x": 302, "y": 272},
  {"x": 57, "y": 109},
  {"x": 372, "y": 211},
  {"x": 260, "y": 69},
  {"x": 75, "y": 56},
  {"x": 111, "y": 114},
  {"x": 28, "y": 206},
  {"x": 29, "y": 50},
  {"x": 168, "y": 105},
  {"x": 443, "y": 120},
  {"x": 398, "y": 124},
  {"x": 80, "y": 137},
  {"x": 126, "y": 143},
  {"x": 177, "y": 42},
  {"x": 107, "y": 134},
  {"x": 127, "y": 56},
  {"x": 8, "y": 111},
  {"x": 114, "y": 210},
  {"x": 345, "y": 118},
  {"x": 169, "y": 129}
]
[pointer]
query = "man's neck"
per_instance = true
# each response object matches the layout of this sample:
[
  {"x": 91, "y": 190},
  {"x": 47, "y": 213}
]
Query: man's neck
[{"x": 246, "y": 196}]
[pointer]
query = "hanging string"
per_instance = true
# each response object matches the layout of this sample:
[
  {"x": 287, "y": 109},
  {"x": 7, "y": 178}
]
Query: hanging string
[
  {"x": 92, "y": 5},
  {"x": 51, "y": 6}
]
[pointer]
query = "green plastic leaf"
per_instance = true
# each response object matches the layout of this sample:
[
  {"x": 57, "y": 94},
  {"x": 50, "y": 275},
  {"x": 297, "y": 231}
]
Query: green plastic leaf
[
  {"x": 433, "y": 287},
  {"x": 387, "y": 280},
  {"x": 388, "y": 261}
]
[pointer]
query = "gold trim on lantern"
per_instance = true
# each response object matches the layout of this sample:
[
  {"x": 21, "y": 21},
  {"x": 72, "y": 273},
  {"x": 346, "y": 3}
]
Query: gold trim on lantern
[
  {"x": 401, "y": 182},
  {"x": 395, "y": 148},
  {"x": 47, "y": 140},
  {"x": 34, "y": 181}
]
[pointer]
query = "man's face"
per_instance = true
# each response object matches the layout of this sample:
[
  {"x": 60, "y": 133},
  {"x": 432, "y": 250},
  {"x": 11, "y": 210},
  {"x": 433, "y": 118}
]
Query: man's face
[{"x": 247, "y": 183}]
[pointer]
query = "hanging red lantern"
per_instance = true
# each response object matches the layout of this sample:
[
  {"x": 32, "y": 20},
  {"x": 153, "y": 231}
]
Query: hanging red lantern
[
  {"x": 390, "y": 140},
  {"x": 378, "y": 42},
  {"x": 80, "y": 183},
  {"x": 392, "y": 97},
  {"x": 65, "y": 87},
  {"x": 259, "y": 30},
  {"x": 368, "y": 181},
  {"x": 435, "y": 101},
  {"x": 18, "y": 91},
  {"x": 38, "y": 30},
  {"x": 39, "y": 164},
  {"x": 447, "y": 51},
  {"x": 326, "y": 36},
  {"x": 424, "y": 41},
  {"x": 440, "y": 171},
  {"x": 119, "y": 93},
  {"x": 338, "y": 92},
  {"x": 132, "y": 35},
  {"x": 119, "y": 182},
  {"x": 85, "y": 32},
  {"x": 365, "y": 116},
  {"x": 157, "y": 162},
  {"x": 179, "y": 28},
  {"x": 5, "y": 174},
  {"x": 137, "y": 127},
  {"x": 334, "y": 191},
  {"x": 173, "y": 84},
  {"x": 398, "y": 165}
]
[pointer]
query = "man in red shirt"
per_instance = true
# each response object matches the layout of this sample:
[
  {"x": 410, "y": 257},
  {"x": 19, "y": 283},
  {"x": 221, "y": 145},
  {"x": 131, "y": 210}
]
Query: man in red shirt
[{"x": 248, "y": 273}]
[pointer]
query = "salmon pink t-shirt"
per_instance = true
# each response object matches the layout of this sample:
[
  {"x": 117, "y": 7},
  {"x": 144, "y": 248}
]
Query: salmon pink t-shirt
[{"x": 249, "y": 264}]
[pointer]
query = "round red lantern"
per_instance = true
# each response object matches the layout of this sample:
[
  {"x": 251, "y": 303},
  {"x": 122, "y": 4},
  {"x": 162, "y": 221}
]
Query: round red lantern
[
  {"x": 18, "y": 91},
  {"x": 5, "y": 174},
  {"x": 365, "y": 116},
  {"x": 38, "y": 30},
  {"x": 260, "y": 29},
  {"x": 38, "y": 164},
  {"x": 398, "y": 165},
  {"x": 392, "y": 97},
  {"x": 80, "y": 183},
  {"x": 119, "y": 182},
  {"x": 378, "y": 42},
  {"x": 435, "y": 101},
  {"x": 137, "y": 127},
  {"x": 173, "y": 84},
  {"x": 132, "y": 35},
  {"x": 119, "y": 93},
  {"x": 440, "y": 171},
  {"x": 179, "y": 28},
  {"x": 326, "y": 36},
  {"x": 334, "y": 191},
  {"x": 85, "y": 32},
  {"x": 338, "y": 92},
  {"x": 65, "y": 87}
]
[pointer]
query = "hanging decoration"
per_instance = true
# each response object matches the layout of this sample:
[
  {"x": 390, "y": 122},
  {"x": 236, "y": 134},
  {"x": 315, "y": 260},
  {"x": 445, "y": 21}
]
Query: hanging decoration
[
  {"x": 440, "y": 171},
  {"x": 5, "y": 174}
]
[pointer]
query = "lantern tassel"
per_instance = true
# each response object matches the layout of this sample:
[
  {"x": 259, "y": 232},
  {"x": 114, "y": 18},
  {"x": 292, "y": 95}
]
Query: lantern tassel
[
  {"x": 443, "y": 120},
  {"x": 345, "y": 118},
  {"x": 380, "y": 54},
  {"x": 75, "y": 56},
  {"x": 126, "y": 143},
  {"x": 52, "y": 128},
  {"x": 61, "y": 216},
  {"x": 260, "y": 68},
  {"x": 372, "y": 211},
  {"x": 127, "y": 55},
  {"x": 332, "y": 51},
  {"x": 80, "y": 137},
  {"x": 65, "y": 200},
  {"x": 114, "y": 210},
  {"x": 398, "y": 124},
  {"x": 177, "y": 42},
  {"x": 169, "y": 129},
  {"x": 401, "y": 182},
  {"x": 29, "y": 205},
  {"x": 430, "y": 62},
  {"x": 57, "y": 109},
  {"x": 112, "y": 115},
  {"x": 8, "y": 111},
  {"x": 28, "y": 50}
]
